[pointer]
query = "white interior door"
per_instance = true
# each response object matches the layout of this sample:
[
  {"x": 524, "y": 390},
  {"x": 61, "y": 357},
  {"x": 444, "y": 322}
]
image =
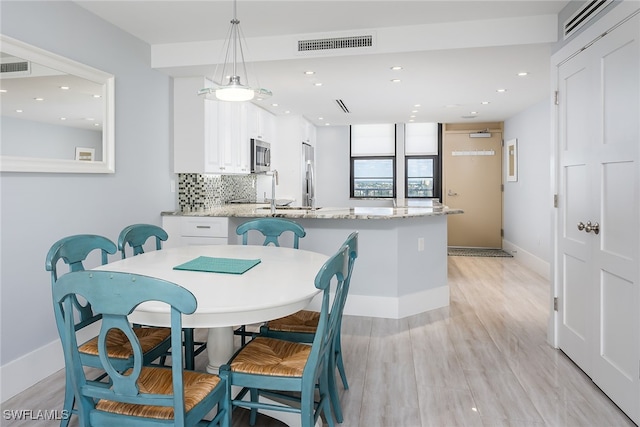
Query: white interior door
[{"x": 599, "y": 215}]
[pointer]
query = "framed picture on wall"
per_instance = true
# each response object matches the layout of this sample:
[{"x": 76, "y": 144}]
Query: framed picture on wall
[
  {"x": 85, "y": 154},
  {"x": 512, "y": 159}
]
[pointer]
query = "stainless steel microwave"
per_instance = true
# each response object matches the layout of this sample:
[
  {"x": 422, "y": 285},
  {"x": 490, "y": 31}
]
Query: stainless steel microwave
[{"x": 260, "y": 156}]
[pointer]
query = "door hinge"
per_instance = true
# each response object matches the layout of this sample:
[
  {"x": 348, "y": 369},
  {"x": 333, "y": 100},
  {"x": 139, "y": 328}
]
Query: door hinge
[
  {"x": 555, "y": 303},
  {"x": 556, "y": 98},
  {"x": 502, "y": 187},
  {"x": 555, "y": 200},
  {"x": 502, "y": 232}
]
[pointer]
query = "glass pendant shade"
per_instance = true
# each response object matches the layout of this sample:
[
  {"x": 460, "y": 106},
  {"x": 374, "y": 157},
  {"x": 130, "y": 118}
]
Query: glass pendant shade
[{"x": 234, "y": 90}]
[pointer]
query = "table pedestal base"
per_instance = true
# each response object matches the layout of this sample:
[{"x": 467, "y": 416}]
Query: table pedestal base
[{"x": 219, "y": 347}]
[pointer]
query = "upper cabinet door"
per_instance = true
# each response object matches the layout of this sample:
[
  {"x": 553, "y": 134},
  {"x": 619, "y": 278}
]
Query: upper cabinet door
[{"x": 261, "y": 124}]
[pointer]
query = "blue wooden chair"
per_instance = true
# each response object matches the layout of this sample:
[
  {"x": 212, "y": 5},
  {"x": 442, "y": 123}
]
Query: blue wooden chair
[
  {"x": 135, "y": 236},
  {"x": 302, "y": 325},
  {"x": 273, "y": 367},
  {"x": 142, "y": 395},
  {"x": 271, "y": 229},
  {"x": 73, "y": 251}
]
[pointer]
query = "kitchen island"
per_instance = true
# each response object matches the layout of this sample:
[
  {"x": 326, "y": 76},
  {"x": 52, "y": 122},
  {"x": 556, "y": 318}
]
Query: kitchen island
[{"x": 401, "y": 268}]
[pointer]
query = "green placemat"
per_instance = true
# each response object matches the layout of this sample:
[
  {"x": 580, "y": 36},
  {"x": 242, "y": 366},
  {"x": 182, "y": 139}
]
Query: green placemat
[{"x": 218, "y": 265}]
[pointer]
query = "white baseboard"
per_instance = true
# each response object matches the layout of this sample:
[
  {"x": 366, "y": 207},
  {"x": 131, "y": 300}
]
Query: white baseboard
[
  {"x": 393, "y": 307},
  {"x": 527, "y": 259},
  {"x": 20, "y": 374}
]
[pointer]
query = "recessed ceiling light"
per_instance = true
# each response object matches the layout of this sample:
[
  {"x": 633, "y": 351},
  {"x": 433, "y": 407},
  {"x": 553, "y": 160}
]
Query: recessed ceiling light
[
  {"x": 473, "y": 112},
  {"x": 3, "y": 91},
  {"x": 411, "y": 120},
  {"x": 485, "y": 103},
  {"x": 412, "y": 116},
  {"x": 97, "y": 96},
  {"x": 417, "y": 105},
  {"x": 89, "y": 119},
  {"x": 274, "y": 105},
  {"x": 501, "y": 90},
  {"x": 18, "y": 111},
  {"x": 65, "y": 88},
  {"x": 523, "y": 73},
  {"x": 287, "y": 112},
  {"x": 38, "y": 99},
  {"x": 414, "y": 111},
  {"x": 396, "y": 68},
  {"x": 63, "y": 118},
  {"x": 320, "y": 118},
  {"x": 395, "y": 80},
  {"x": 309, "y": 73},
  {"x": 327, "y": 124},
  {"x": 317, "y": 84}
]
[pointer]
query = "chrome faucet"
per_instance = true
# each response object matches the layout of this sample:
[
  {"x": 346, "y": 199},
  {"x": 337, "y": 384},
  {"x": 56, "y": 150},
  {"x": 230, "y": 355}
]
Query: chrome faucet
[{"x": 274, "y": 182}]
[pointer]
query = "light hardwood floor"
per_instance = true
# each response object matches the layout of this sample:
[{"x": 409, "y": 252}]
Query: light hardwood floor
[{"x": 482, "y": 361}]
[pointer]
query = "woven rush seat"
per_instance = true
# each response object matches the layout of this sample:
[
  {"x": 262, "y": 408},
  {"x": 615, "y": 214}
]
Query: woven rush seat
[
  {"x": 118, "y": 345},
  {"x": 304, "y": 321},
  {"x": 197, "y": 385},
  {"x": 269, "y": 356}
]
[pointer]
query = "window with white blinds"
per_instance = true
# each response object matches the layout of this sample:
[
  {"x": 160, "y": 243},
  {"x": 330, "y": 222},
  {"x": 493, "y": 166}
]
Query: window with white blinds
[
  {"x": 421, "y": 139},
  {"x": 373, "y": 140}
]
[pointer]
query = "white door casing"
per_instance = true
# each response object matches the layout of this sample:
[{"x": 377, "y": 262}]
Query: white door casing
[{"x": 598, "y": 325}]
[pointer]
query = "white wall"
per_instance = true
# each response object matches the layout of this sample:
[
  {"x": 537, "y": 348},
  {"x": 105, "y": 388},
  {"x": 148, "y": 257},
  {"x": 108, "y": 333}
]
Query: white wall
[
  {"x": 528, "y": 202},
  {"x": 39, "y": 208}
]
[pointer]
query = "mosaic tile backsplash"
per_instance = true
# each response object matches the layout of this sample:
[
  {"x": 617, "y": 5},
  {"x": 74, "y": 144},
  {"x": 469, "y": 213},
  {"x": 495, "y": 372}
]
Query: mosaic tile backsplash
[{"x": 202, "y": 192}]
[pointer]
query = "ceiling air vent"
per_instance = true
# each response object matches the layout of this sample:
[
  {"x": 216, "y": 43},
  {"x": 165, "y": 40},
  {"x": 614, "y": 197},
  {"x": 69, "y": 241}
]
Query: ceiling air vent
[
  {"x": 583, "y": 15},
  {"x": 335, "y": 43},
  {"x": 343, "y": 107},
  {"x": 15, "y": 67}
]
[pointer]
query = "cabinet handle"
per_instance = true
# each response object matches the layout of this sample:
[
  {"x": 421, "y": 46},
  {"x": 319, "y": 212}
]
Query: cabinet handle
[{"x": 203, "y": 226}]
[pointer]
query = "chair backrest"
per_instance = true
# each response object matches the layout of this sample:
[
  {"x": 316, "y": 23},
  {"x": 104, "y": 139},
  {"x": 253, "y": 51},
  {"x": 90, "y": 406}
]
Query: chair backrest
[
  {"x": 271, "y": 229},
  {"x": 114, "y": 295},
  {"x": 332, "y": 274},
  {"x": 73, "y": 250},
  {"x": 136, "y": 235},
  {"x": 352, "y": 244}
]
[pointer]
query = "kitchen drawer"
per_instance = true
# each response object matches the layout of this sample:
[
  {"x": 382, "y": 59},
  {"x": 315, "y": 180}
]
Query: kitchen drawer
[{"x": 204, "y": 227}]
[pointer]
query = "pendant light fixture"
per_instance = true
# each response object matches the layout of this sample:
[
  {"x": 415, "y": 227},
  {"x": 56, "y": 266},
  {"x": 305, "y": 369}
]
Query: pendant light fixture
[{"x": 233, "y": 72}]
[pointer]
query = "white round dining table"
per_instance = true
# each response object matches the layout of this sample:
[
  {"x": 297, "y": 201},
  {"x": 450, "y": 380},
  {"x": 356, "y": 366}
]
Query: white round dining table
[{"x": 280, "y": 284}]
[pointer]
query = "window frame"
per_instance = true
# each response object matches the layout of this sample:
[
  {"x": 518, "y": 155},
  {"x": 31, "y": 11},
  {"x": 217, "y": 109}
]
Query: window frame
[
  {"x": 436, "y": 176},
  {"x": 393, "y": 159},
  {"x": 352, "y": 177}
]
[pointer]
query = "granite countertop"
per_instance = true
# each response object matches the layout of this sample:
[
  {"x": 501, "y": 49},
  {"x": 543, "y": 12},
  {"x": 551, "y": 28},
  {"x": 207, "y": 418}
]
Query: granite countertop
[{"x": 263, "y": 210}]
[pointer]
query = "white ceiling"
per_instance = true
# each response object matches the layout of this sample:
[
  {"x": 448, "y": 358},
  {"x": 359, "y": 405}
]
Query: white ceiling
[{"x": 449, "y": 73}]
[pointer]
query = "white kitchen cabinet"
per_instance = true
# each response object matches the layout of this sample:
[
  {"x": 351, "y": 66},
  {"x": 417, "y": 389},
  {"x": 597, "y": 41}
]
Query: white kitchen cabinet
[
  {"x": 208, "y": 136},
  {"x": 261, "y": 124},
  {"x": 195, "y": 230},
  {"x": 231, "y": 139}
]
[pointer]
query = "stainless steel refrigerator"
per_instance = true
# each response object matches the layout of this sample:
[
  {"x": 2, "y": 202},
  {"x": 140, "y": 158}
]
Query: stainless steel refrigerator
[{"x": 308, "y": 172}]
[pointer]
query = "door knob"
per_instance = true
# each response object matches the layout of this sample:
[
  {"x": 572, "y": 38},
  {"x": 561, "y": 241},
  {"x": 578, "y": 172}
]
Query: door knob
[
  {"x": 581, "y": 226},
  {"x": 592, "y": 227}
]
